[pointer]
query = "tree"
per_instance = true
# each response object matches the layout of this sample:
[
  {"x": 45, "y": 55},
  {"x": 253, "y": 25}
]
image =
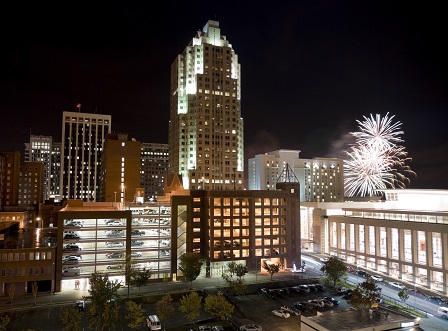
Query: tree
[
  {"x": 128, "y": 270},
  {"x": 140, "y": 278},
  {"x": 190, "y": 264},
  {"x": 334, "y": 270},
  {"x": 11, "y": 292},
  {"x": 4, "y": 321},
  {"x": 365, "y": 295},
  {"x": 190, "y": 306},
  {"x": 272, "y": 268},
  {"x": 166, "y": 279},
  {"x": 404, "y": 295},
  {"x": 164, "y": 308},
  {"x": 218, "y": 306},
  {"x": 234, "y": 277},
  {"x": 103, "y": 311},
  {"x": 135, "y": 315},
  {"x": 34, "y": 288},
  {"x": 71, "y": 318}
]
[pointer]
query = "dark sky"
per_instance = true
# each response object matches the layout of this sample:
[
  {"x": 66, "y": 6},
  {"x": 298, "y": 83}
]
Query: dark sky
[{"x": 310, "y": 69}]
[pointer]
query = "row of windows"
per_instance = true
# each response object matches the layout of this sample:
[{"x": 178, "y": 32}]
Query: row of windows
[
  {"x": 9, "y": 257},
  {"x": 20, "y": 272}
]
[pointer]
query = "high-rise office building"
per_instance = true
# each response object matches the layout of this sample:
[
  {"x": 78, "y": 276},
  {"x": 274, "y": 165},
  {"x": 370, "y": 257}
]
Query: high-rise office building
[
  {"x": 120, "y": 168},
  {"x": 31, "y": 184},
  {"x": 83, "y": 138},
  {"x": 321, "y": 179},
  {"x": 55, "y": 171},
  {"x": 9, "y": 178},
  {"x": 153, "y": 169},
  {"x": 206, "y": 128},
  {"x": 39, "y": 149}
]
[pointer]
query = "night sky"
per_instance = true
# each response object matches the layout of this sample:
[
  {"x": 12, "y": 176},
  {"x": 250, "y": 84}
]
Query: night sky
[{"x": 310, "y": 69}]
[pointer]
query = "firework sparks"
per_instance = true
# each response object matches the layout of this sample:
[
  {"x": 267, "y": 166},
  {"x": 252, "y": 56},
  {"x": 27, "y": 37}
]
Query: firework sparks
[{"x": 376, "y": 161}]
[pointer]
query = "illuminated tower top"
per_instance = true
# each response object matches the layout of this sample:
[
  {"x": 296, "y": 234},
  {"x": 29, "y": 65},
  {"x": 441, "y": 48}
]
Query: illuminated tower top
[{"x": 206, "y": 128}]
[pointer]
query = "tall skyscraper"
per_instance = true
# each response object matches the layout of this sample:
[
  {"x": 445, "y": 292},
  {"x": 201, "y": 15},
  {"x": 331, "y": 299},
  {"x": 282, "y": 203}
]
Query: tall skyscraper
[
  {"x": 39, "y": 149},
  {"x": 206, "y": 128},
  {"x": 83, "y": 138}
]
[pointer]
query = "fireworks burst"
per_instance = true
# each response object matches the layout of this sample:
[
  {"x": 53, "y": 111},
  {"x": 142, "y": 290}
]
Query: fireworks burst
[{"x": 376, "y": 160}]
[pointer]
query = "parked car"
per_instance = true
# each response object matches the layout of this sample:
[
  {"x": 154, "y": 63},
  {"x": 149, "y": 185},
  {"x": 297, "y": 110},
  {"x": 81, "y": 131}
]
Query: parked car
[
  {"x": 114, "y": 266},
  {"x": 114, "y": 255},
  {"x": 377, "y": 278},
  {"x": 397, "y": 285},
  {"x": 70, "y": 272},
  {"x": 136, "y": 243},
  {"x": 332, "y": 300},
  {"x": 304, "y": 289},
  {"x": 281, "y": 313},
  {"x": 71, "y": 235},
  {"x": 111, "y": 244},
  {"x": 71, "y": 259},
  {"x": 136, "y": 254},
  {"x": 291, "y": 310},
  {"x": 205, "y": 328},
  {"x": 217, "y": 328},
  {"x": 80, "y": 304},
  {"x": 74, "y": 223},
  {"x": 300, "y": 306},
  {"x": 115, "y": 233},
  {"x": 251, "y": 327},
  {"x": 72, "y": 247},
  {"x": 362, "y": 273},
  {"x": 342, "y": 290},
  {"x": 115, "y": 223},
  {"x": 348, "y": 294},
  {"x": 136, "y": 232}
]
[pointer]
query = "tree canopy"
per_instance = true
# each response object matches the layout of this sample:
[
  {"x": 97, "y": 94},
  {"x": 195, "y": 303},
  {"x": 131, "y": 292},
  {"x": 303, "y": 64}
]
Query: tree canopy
[
  {"x": 334, "y": 270},
  {"x": 190, "y": 264}
]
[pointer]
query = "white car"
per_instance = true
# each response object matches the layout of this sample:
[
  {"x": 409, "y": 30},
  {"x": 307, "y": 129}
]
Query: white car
[
  {"x": 115, "y": 223},
  {"x": 251, "y": 327},
  {"x": 280, "y": 313},
  {"x": 136, "y": 254},
  {"x": 377, "y": 278},
  {"x": 111, "y": 244},
  {"x": 397, "y": 285}
]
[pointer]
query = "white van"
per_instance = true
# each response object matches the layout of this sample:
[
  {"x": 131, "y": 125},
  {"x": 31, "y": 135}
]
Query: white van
[
  {"x": 153, "y": 322},
  {"x": 443, "y": 311}
]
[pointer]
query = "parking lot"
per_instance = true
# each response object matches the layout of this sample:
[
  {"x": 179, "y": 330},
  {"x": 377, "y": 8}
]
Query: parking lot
[{"x": 258, "y": 307}]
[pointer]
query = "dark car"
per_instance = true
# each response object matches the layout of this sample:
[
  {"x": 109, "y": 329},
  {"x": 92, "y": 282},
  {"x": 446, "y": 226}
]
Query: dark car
[
  {"x": 348, "y": 294},
  {"x": 362, "y": 273},
  {"x": 342, "y": 290},
  {"x": 136, "y": 243},
  {"x": 437, "y": 299},
  {"x": 72, "y": 247},
  {"x": 80, "y": 304},
  {"x": 114, "y": 255},
  {"x": 115, "y": 233},
  {"x": 136, "y": 232},
  {"x": 71, "y": 235},
  {"x": 332, "y": 300}
]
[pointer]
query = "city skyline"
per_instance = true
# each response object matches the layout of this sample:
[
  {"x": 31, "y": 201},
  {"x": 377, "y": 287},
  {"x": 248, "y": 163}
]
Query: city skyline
[{"x": 309, "y": 71}]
